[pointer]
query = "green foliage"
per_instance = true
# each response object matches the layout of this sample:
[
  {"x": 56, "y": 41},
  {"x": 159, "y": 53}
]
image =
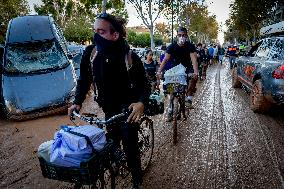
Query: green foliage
[
  {"x": 78, "y": 30},
  {"x": 246, "y": 18},
  {"x": 194, "y": 15},
  {"x": 142, "y": 39},
  {"x": 158, "y": 39},
  {"x": 76, "y": 17},
  {"x": 10, "y": 9}
]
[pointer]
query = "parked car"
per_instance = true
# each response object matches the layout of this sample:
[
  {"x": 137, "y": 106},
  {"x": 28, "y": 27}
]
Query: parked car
[
  {"x": 262, "y": 71},
  {"x": 75, "y": 53},
  {"x": 37, "y": 77}
]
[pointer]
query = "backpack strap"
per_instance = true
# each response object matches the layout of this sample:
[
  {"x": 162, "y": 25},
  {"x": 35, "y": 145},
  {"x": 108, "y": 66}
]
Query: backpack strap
[{"x": 93, "y": 56}]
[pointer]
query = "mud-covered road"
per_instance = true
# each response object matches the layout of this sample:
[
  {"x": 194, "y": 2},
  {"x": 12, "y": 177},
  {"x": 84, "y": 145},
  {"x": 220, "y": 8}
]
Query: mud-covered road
[{"x": 223, "y": 144}]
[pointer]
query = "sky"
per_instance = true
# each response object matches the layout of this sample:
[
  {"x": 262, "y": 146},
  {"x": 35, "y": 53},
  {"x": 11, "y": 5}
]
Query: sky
[{"x": 218, "y": 7}]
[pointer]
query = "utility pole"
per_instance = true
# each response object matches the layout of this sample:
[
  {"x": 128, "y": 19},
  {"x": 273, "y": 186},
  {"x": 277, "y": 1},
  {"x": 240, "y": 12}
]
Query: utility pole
[{"x": 104, "y": 6}]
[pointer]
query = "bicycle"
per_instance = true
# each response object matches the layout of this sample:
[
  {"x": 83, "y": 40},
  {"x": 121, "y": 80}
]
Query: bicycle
[
  {"x": 176, "y": 93},
  {"x": 101, "y": 170}
]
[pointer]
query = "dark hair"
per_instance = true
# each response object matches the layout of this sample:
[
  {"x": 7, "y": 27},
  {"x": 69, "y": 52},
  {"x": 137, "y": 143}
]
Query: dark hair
[
  {"x": 147, "y": 52},
  {"x": 199, "y": 44},
  {"x": 182, "y": 29},
  {"x": 117, "y": 24},
  {"x": 164, "y": 47}
]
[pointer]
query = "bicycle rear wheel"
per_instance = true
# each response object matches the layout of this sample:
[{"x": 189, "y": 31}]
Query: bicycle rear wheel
[
  {"x": 146, "y": 141},
  {"x": 176, "y": 112},
  {"x": 106, "y": 180}
]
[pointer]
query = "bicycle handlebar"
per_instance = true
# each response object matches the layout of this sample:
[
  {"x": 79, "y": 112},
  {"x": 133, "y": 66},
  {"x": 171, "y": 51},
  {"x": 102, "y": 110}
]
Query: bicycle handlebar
[{"x": 97, "y": 121}]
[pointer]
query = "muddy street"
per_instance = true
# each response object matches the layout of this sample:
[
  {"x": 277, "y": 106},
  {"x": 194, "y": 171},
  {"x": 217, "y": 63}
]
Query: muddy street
[{"x": 222, "y": 144}]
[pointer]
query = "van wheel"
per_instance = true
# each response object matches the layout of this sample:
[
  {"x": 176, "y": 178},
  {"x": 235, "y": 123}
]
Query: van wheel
[
  {"x": 258, "y": 103},
  {"x": 235, "y": 81}
]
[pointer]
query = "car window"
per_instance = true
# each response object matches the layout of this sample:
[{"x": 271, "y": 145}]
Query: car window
[
  {"x": 277, "y": 50},
  {"x": 34, "y": 57},
  {"x": 264, "y": 48}
]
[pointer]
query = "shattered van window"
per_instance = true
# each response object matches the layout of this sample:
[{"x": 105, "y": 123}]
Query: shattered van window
[
  {"x": 277, "y": 51},
  {"x": 264, "y": 48},
  {"x": 34, "y": 57}
]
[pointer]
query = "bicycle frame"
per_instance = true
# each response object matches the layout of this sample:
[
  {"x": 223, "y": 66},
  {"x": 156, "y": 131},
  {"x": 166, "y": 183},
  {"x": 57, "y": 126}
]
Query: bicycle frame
[{"x": 145, "y": 143}]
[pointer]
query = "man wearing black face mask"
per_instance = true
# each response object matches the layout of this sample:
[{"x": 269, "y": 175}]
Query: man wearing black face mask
[{"x": 119, "y": 85}]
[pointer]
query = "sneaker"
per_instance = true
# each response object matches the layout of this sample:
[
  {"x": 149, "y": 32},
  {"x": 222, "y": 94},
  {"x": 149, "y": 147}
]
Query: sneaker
[
  {"x": 136, "y": 183},
  {"x": 188, "y": 103},
  {"x": 169, "y": 118}
]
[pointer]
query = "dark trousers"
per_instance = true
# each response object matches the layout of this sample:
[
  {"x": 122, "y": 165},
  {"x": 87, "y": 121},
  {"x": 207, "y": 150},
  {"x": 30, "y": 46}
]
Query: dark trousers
[{"x": 128, "y": 134}]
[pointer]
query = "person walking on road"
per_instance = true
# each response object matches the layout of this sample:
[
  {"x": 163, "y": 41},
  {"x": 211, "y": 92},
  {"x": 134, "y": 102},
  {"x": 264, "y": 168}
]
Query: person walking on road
[
  {"x": 151, "y": 67},
  {"x": 109, "y": 71},
  {"x": 211, "y": 54},
  {"x": 232, "y": 52},
  {"x": 221, "y": 52}
]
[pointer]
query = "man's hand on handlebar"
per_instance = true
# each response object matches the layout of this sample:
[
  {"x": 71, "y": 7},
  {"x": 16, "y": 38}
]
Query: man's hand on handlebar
[
  {"x": 72, "y": 108},
  {"x": 137, "y": 111}
]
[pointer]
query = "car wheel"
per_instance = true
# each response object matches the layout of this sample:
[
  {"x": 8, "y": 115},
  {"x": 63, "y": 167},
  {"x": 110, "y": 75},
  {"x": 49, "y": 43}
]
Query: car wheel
[
  {"x": 258, "y": 103},
  {"x": 235, "y": 81}
]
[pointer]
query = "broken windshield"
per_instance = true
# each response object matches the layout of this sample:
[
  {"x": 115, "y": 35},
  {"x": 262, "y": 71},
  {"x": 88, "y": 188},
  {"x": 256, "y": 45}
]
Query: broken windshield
[{"x": 33, "y": 57}]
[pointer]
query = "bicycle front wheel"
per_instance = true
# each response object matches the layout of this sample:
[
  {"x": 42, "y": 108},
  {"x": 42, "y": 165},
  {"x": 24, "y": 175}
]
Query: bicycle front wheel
[
  {"x": 146, "y": 141},
  {"x": 176, "y": 111}
]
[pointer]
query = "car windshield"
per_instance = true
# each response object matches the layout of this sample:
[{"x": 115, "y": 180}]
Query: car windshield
[{"x": 33, "y": 57}]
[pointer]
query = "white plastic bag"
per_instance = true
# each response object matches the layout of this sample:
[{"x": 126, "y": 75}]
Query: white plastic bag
[
  {"x": 176, "y": 75},
  {"x": 69, "y": 149}
]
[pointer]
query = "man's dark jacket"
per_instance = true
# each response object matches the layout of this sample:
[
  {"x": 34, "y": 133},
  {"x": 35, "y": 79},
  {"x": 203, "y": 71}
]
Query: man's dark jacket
[{"x": 117, "y": 88}]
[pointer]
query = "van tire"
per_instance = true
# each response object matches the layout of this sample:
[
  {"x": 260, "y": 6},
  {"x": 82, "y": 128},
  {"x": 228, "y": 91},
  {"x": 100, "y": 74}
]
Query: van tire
[
  {"x": 235, "y": 81},
  {"x": 258, "y": 102}
]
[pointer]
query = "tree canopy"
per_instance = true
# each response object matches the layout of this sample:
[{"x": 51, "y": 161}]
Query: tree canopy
[
  {"x": 8, "y": 10},
  {"x": 76, "y": 17},
  {"x": 246, "y": 17}
]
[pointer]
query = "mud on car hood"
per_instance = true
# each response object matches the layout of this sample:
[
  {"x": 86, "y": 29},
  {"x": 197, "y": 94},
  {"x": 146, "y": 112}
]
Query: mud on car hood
[{"x": 26, "y": 93}]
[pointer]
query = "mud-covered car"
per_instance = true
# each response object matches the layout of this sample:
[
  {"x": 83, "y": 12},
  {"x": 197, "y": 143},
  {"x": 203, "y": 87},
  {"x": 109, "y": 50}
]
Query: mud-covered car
[
  {"x": 75, "y": 53},
  {"x": 36, "y": 76},
  {"x": 262, "y": 71}
]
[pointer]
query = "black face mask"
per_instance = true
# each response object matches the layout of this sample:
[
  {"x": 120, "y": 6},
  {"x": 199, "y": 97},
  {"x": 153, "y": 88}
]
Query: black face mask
[{"x": 102, "y": 43}]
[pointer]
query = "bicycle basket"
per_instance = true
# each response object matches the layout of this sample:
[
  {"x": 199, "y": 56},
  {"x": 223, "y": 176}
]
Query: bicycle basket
[
  {"x": 174, "y": 88},
  {"x": 87, "y": 173}
]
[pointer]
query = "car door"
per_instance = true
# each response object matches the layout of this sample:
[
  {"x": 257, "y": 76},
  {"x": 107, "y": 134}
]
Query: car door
[{"x": 246, "y": 66}]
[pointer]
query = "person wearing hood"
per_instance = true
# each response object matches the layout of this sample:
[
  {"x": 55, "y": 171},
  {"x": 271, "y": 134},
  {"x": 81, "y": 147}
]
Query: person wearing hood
[{"x": 120, "y": 81}]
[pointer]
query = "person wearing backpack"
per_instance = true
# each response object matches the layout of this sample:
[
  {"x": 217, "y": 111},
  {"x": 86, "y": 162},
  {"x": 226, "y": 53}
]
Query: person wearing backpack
[{"x": 120, "y": 81}]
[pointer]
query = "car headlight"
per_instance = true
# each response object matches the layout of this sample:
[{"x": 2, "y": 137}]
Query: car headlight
[{"x": 12, "y": 108}]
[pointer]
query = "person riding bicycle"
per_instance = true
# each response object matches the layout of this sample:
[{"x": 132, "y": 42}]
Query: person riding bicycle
[
  {"x": 118, "y": 83},
  {"x": 150, "y": 66},
  {"x": 183, "y": 52}
]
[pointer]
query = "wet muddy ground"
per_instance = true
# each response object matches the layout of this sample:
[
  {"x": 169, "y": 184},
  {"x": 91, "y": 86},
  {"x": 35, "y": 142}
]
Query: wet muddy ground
[{"x": 222, "y": 144}]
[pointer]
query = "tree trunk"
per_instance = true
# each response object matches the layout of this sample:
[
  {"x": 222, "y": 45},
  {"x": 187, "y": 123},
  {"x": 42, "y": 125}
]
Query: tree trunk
[
  {"x": 104, "y": 6},
  {"x": 152, "y": 37}
]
